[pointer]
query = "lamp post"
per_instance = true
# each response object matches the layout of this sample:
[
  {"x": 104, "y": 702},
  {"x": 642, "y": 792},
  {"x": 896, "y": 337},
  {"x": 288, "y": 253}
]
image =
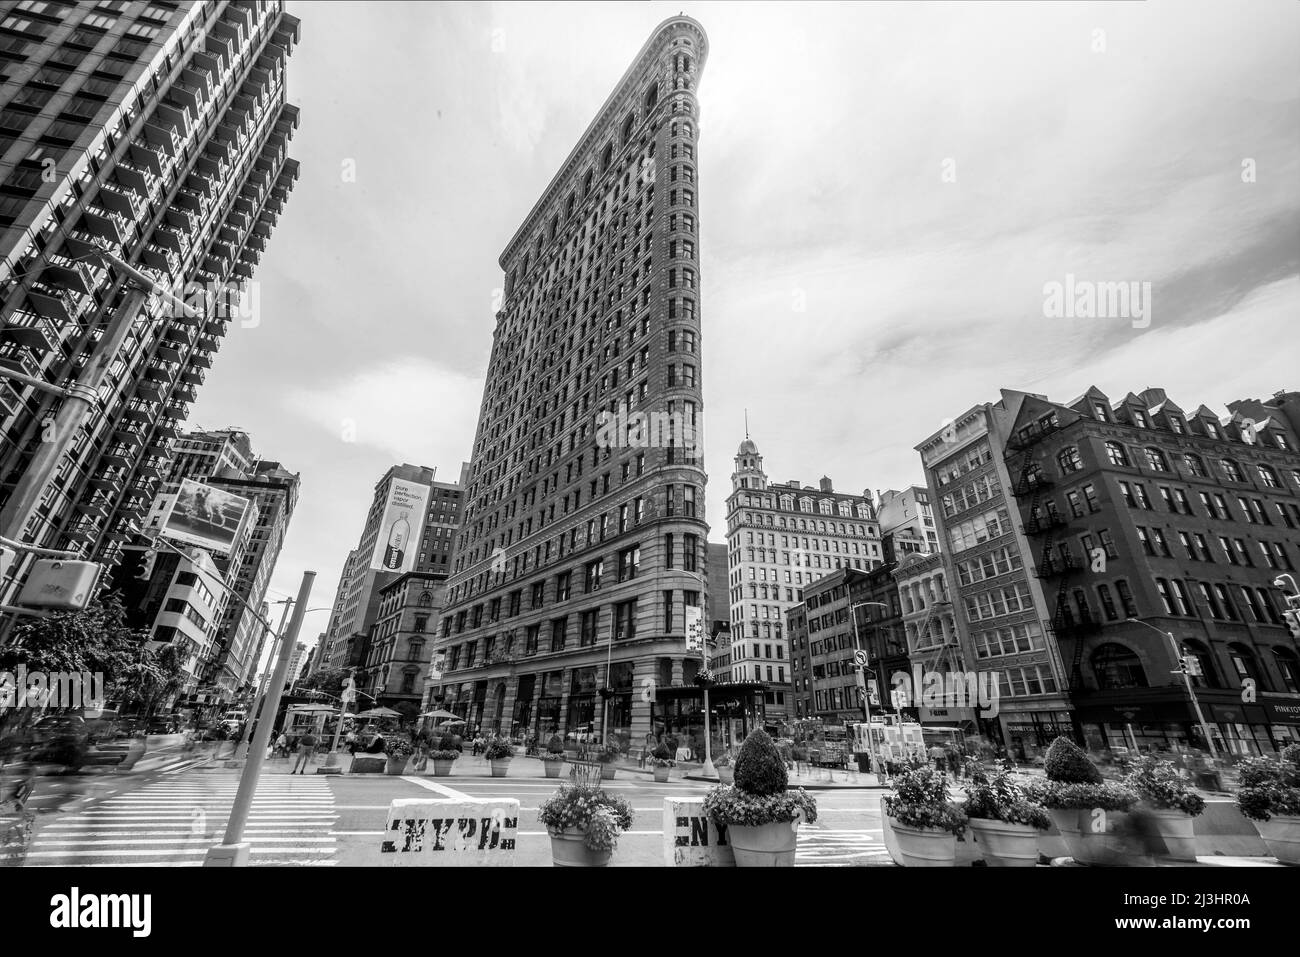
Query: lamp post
[
  {"x": 1187, "y": 680},
  {"x": 863, "y": 670},
  {"x": 255, "y": 713},
  {"x": 708, "y": 767}
]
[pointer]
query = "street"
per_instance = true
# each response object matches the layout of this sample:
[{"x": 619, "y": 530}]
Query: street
[{"x": 171, "y": 818}]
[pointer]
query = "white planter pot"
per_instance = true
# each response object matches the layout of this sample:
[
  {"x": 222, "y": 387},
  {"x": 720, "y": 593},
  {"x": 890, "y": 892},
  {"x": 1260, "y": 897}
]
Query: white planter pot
[
  {"x": 1006, "y": 845},
  {"x": 1095, "y": 848},
  {"x": 1282, "y": 835},
  {"x": 925, "y": 846},
  {"x": 1177, "y": 830}
]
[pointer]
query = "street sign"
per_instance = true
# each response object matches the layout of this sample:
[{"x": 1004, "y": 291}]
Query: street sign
[{"x": 860, "y": 658}]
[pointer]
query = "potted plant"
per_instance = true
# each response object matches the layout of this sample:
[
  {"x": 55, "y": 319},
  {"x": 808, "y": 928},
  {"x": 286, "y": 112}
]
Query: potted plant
[
  {"x": 553, "y": 757},
  {"x": 926, "y": 824},
  {"x": 1006, "y": 823},
  {"x": 399, "y": 751},
  {"x": 759, "y": 811},
  {"x": 1270, "y": 797},
  {"x": 1171, "y": 803},
  {"x": 662, "y": 762},
  {"x": 584, "y": 824},
  {"x": 1087, "y": 811},
  {"x": 607, "y": 756},
  {"x": 498, "y": 753},
  {"x": 443, "y": 756}
]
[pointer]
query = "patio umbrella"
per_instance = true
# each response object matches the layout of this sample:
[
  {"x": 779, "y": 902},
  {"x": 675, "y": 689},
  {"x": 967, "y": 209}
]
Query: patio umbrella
[
  {"x": 379, "y": 713},
  {"x": 314, "y": 709},
  {"x": 440, "y": 713},
  {"x": 447, "y": 724}
]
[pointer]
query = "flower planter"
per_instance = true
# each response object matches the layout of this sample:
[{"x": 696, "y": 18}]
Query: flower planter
[
  {"x": 442, "y": 768},
  {"x": 553, "y": 768},
  {"x": 1092, "y": 848},
  {"x": 727, "y": 775},
  {"x": 1281, "y": 833},
  {"x": 1005, "y": 845},
  {"x": 607, "y": 772},
  {"x": 767, "y": 845},
  {"x": 396, "y": 765},
  {"x": 925, "y": 846},
  {"x": 1177, "y": 830},
  {"x": 568, "y": 850},
  {"x": 661, "y": 775},
  {"x": 499, "y": 766}
]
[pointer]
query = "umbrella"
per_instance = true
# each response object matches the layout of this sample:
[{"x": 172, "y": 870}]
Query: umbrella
[
  {"x": 440, "y": 713},
  {"x": 447, "y": 724},
  {"x": 314, "y": 709},
  {"x": 379, "y": 713}
]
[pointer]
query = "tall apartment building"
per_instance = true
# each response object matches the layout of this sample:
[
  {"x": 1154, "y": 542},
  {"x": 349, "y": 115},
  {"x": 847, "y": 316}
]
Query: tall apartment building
[
  {"x": 1001, "y": 613},
  {"x": 583, "y": 543},
  {"x": 782, "y": 537},
  {"x": 273, "y": 492},
  {"x": 1147, "y": 519},
  {"x": 158, "y": 131},
  {"x": 908, "y": 516},
  {"x": 225, "y": 459},
  {"x": 839, "y": 616},
  {"x": 178, "y": 602},
  {"x": 357, "y": 604}
]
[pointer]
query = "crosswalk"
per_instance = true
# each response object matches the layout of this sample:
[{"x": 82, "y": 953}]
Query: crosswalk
[
  {"x": 173, "y": 822},
  {"x": 822, "y": 847}
]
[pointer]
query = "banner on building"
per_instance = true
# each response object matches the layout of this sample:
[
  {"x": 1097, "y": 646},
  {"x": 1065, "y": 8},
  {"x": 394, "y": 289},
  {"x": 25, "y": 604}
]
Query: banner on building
[
  {"x": 438, "y": 666},
  {"x": 695, "y": 629},
  {"x": 211, "y": 518},
  {"x": 400, "y": 526}
]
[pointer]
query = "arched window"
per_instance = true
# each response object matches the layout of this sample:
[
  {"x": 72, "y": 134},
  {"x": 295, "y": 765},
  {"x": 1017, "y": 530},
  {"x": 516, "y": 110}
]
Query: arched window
[
  {"x": 1288, "y": 666},
  {"x": 651, "y": 96},
  {"x": 1156, "y": 460},
  {"x": 1116, "y": 454},
  {"x": 1194, "y": 464},
  {"x": 607, "y": 157},
  {"x": 587, "y": 181},
  {"x": 426, "y": 599},
  {"x": 1068, "y": 459},
  {"x": 1244, "y": 664},
  {"x": 629, "y": 125},
  {"x": 1116, "y": 666},
  {"x": 1209, "y": 675},
  {"x": 569, "y": 205}
]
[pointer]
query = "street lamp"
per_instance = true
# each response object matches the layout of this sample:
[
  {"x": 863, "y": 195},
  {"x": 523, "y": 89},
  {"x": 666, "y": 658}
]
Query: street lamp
[
  {"x": 707, "y": 767},
  {"x": 1187, "y": 679},
  {"x": 857, "y": 646}
]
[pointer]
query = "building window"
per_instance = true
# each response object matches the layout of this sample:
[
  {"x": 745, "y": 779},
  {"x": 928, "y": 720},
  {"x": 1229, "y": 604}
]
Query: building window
[
  {"x": 1116, "y": 667},
  {"x": 1156, "y": 460},
  {"x": 1231, "y": 470},
  {"x": 1068, "y": 460},
  {"x": 1117, "y": 455}
]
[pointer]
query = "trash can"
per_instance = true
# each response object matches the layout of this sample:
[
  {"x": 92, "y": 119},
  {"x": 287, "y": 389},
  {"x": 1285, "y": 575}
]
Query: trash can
[{"x": 864, "y": 761}]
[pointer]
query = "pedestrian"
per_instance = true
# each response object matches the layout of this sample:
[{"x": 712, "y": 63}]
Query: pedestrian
[
  {"x": 350, "y": 741},
  {"x": 282, "y": 746},
  {"x": 937, "y": 756},
  {"x": 650, "y": 744},
  {"x": 306, "y": 749}
]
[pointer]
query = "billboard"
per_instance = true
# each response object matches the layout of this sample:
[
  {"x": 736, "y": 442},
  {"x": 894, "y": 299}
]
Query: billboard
[
  {"x": 209, "y": 517},
  {"x": 399, "y": 528}
]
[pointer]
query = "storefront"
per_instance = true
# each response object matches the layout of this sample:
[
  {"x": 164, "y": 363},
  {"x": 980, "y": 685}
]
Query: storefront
[
  {"x": 735, "y": 709},
  {"x": 1028, "y": 734},
  {"x": 1283, "y": 718},
  {"x": 1164, "y": 719}
]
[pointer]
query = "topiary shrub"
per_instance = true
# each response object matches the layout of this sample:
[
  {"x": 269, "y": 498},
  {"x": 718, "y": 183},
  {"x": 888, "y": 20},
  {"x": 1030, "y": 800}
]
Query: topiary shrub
[
  {"x": 1291, "y": 754},
  {"x": 555, "y": 745},
  {"x": 1067, "y": 763},
  {"x": 759, "y": 768}
]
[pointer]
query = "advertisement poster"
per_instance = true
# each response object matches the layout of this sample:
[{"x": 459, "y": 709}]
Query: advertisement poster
[
  {"x": 205, "y": 516},
  {"x": 399, "y": 529}
]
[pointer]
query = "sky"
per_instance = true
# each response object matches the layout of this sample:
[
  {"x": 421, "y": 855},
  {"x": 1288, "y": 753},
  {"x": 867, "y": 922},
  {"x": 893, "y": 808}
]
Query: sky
[{"x": 886, "y": 193}]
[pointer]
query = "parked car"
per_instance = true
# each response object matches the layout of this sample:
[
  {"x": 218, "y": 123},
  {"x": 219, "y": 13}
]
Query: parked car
[{"x": 164, "y": 724}]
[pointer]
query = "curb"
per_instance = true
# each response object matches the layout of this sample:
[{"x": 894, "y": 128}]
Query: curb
[{"x": 806, "y": 787}]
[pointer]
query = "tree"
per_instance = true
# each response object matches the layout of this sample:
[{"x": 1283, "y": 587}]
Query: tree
[
  {"x": 96, "y": 640},
  {"x": 331, "y": 682}
]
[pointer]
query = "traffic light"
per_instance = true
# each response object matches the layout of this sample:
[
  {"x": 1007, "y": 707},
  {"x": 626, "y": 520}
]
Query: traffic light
[
  {"x": 147, "y": 559},
  {"x": 1293, "y": 622}
]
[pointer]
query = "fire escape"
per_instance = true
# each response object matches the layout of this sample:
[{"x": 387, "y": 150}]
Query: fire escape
[{"x": 1054, "y": 560}]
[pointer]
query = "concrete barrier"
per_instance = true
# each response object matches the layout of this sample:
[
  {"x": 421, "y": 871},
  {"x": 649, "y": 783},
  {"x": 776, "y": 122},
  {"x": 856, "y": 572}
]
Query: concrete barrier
[
  {"x": 691, "y": 839},
  {"x": 451, "y": 833}
]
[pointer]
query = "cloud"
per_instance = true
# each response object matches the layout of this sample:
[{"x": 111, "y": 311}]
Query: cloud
[{"x": 410, "y": 409}]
